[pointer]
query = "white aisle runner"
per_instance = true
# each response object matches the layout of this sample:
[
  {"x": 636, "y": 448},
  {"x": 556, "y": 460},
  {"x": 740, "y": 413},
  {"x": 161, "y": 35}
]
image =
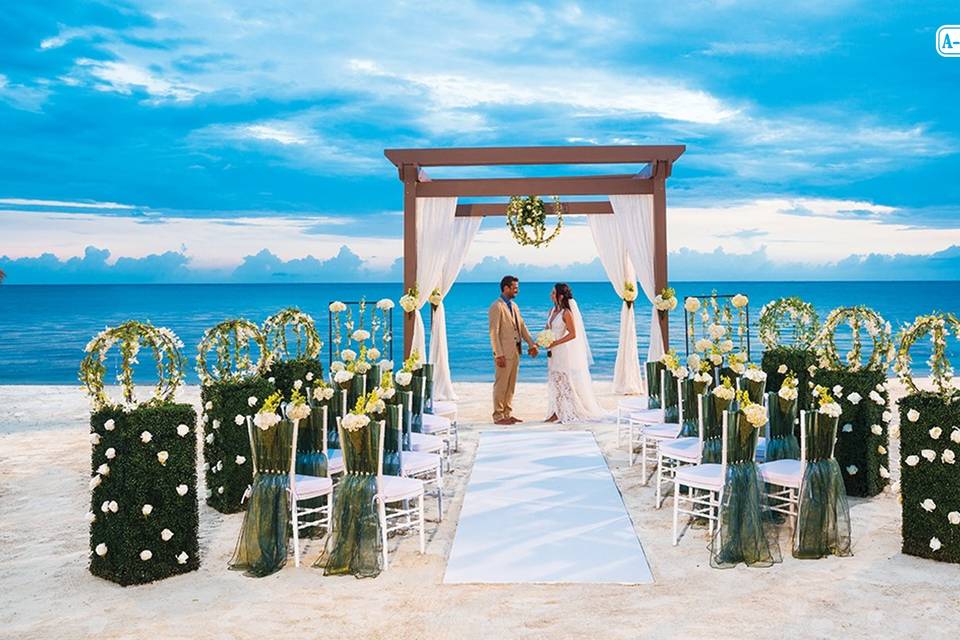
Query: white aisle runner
[{"x": 541, "y": 506}]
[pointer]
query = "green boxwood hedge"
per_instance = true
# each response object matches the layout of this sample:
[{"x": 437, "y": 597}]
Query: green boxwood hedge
[
  {"x": 134, "y": 476},
  {"x": 937, "y": 480},
  {"x": 797, "y": 360},
  {"x": 861, "y": 451},
  {"x": 286, "y": 372},
  {"x": 228, "y": 465}
]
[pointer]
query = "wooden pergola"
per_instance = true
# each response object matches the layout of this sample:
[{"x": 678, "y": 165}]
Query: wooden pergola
[{"x": 651, "y": 179}]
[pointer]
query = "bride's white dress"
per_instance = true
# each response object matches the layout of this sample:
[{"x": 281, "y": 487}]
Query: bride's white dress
[{"x": 569, "y": 387}]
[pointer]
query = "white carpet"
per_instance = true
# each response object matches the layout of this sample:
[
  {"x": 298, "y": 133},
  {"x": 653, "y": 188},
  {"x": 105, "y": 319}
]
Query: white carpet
[{"x": 541, "y": 506}]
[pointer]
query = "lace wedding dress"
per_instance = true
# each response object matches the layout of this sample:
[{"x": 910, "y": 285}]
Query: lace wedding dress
[{"x": 569, "y": 387}]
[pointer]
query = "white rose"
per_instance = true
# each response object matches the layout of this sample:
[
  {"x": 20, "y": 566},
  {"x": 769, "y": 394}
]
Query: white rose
[
  {"x": 876, "y": 430},
  {"x": 146, "y": 437},
  {"x": 912, "y": 460},
  {"x": 348, "y": 355},
  {"x": 837, "y": 389},
  {"x": 716, "y": 331},
  {"x": 182, "y": 430},
  {"x": 327, "y": 393},
  {"x": 354, "y": 422},
  {"x": 928, "y": 505},
  {"x": 782, "y": 369},
  {"x": 913, "y": 415},
  {"x": 955, "y": 435},
  {"x": 894, "y": 430},
  {"x": 373, "y": 354},
  {"x": 265, "y": 420},
  {"x": 882, "y": 450},
  {"x": 929, "y": 454},
  {"x": 239, "y": 459},
  {"x": 831, "y": 409},
  {"x": 147, "y": 509},
  {"x": 716, "y": 359},
  {"x": 954, "y": 517},
  {"x": 271, "y": 380},
  {"x": 360, "y": 335},
  {"x": 703, "y": 345},
  {"x": 852, "y": 469},
  {"x": 884, "y": 473},
  {"x": 935, "y": 544},
  {"x": 337, "y": 366},
  {"x": 166, "y": 534},
  {"x": 385, "y": 304},
  {"x": 876, "y": 397},
  {"x": 309, "y": 376},
  {"x": 220, "y": 490},
  {"x": 114, "y": 507},
  {"x": 692, "y": 305},
  {"x": 739, "y": 301},
  {"x": 94, "y": 482},
  {"x": 209, "y": 405},
  {"x": 251, "y": 401},
  {"x": 105, "y": 506},
  {"x": 298, "y": 412},
  {"x": 726, "y": 346},
  {"x": 94, "y": 439},
  {"x": 948, "y": 456},
  {"x": 935, "y": 433},
  {"x": 847, "y": 428},
  {"x": 109, "y": 425},
  {"x": 162, "y": 456},
  {"x": 182, "y": 558},
  {"x": 386, "y": 365},
  {"x": 298, "y": 384},
  {"x": 110, "y": 453},
  {"x": 343, "y": 376},
  {"x": 146, "y": 554},
  {"x": 104, "y": 469},
  {"x": 182, "y": 490},
  {"x": 238, "y": 420},
  {"x": 91, "y": 517},
  {"x": 209, "y": 438},
  {"x": 854, "y": 398},
  {"x": 101, "y": 550},
  {"x": 403, "y": 378}
]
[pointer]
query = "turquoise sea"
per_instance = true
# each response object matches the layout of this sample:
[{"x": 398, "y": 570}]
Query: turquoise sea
[{"x": 43, "y": 329}]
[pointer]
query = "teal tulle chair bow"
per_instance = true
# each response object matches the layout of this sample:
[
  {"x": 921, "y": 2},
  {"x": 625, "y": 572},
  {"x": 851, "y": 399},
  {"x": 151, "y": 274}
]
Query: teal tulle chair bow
[
  {"x": 653, "y": 370},
  {"x": 688, "y": 396},
  {"x": 782, "y": 444}
]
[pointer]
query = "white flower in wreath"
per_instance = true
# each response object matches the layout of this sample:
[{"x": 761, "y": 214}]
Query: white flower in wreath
[
  {"x": 220, "y": 490},
  {"x": 955, "y": 435},
  {"x": 403, "y": 378},
  {"x": 166, "y": 535},
  {"x": 373, "y": 354},
  {"x": 101, "y": 550},
  {"x": 913, "y": 415},
  {"x": 162, "y": 457},
  {"x": 935, "y": 544},
  {"x": 110, "y": 453},
  {"x": 385, "y": 304},
  {"x": 182, "y": 430},
  {"x": 309, "y": 376},
  {"x": 239, "y": 419},
  {"x": 954, "y": 517},
  {"x": 109, "y": 425},
  {"x": 360, "y": 335},
  {"x": 209, "y": 438},
  {"x": 703, "y": 345},
  {"x": 343, "y": 376},
  {"x": 146, "y": 554},
  {"x": 876, "y": 397},
  {"x": 182, "y": 490},
  {"x": 739, "y": 301},
  {"x": 146, "y": 509},
  {"x": 935, "y": 433},
  {"x": 182, "y": 558},
  {"x": 837, "y": 389},
  {"x": 782, "y": 369},
  {"x": 272, "y": 380},
  {"x": 209, "y": 405},
  {"x": 948, "y": 456},
  {"x": 348, "y": 355},
  {"x": 928, "y": 505},
  {"x": 146, "y": 437},
  {"x": 692, "y": 305},
  {"x": 854, "y": 398},
  {"x": 883, "y": 472},
  {"x": 876, "y": 430},
  {"x": 912, "y": 460},
  {"x": 929, "y": 454},
  {"x": 114, "y": 507},
  {"x": 852, "y": 469},
  {"x": 94, "y": 482},
  {"x": 94, "y": 439},
  {"x": 716, "y": 331},
  {"x": 251, "y": 402},
  {"x": 104, "y": 469},
  {"x": 240, "y": 460}
]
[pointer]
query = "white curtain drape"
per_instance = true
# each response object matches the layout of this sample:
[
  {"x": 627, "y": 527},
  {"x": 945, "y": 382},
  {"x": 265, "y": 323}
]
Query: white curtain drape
[
  {"x": 435, "y": 224},
  {"x": 619, "y": 269},
  {"x": 634, "y": 217},
  {"x": 464, "y": 230}
]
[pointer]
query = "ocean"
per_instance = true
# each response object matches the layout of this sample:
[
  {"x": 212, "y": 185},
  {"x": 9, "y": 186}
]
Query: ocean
[{"x": 43, "y": 328}]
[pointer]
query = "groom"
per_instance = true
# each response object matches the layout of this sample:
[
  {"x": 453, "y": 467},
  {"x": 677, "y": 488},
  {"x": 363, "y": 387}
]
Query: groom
[{"x": 507, "y": 329}]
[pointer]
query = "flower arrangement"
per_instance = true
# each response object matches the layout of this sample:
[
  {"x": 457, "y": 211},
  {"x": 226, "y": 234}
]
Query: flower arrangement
[
  {"x": 527, "y": 220},
  {"x": 360, "y": 416},
  {"x": 691, "y": 304},
  {"x": 268, "y": 415},
  {"x": 666, "y": 300},
  {"x": 725, "y": 390},
  {"x": 825, "y": 402},
  {"x": 629, "y": 293},
  {"x": 231, "y": 340},
  {"x": 298, "y": 409},
  {"x": 738, "y": 362},
  {"x": 435, "y": 298},
  {"x": 856, "y": 317},
  {"x": 755, "y": 413},
  {"x": 754, "y": 373},
  {"x": 788, "y": 390},
  {"x": 802, "y": 318},
  {"x": 408, "y": 301},
  {"x": 545, "y": 338},
  {"x": 938, "y": 326}
]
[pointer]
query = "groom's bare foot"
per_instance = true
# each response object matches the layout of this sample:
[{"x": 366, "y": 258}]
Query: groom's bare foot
[
  {"x": 515, "y": 420},
  {"x": 503, "y": 421}
]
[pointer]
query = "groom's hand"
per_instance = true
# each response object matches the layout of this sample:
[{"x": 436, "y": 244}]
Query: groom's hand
[
  {"x": 533, "y": 351},
  {"x": 501, "y": 361}
]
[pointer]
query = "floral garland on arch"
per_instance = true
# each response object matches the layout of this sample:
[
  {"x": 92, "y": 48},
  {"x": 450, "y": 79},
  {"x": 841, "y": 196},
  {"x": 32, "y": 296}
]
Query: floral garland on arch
[
  {"x": 131, "y": 336},
  {"x": 938, "y": 326},
  {"x": 275, "y": 331},
  {"x": 803, "y": 318},
  {"x": 231, "y": 340},
  {"x": 527, "y": 220},
  {"x": 856, "y": 317},
  {"x": 382, "y": 320}
]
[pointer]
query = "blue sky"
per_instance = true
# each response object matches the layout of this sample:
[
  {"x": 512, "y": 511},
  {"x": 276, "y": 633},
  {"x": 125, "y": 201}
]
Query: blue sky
[{"x": 240, "y": 141}]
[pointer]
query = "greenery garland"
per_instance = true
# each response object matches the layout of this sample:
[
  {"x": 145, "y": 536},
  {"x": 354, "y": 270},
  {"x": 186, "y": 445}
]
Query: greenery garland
[
  {"x": 308, "y": 340},
  {"x": 856, "y": 317},
  {"x": 231, "y": 340},
  {"x": 939, "y": 326},
  {"x": 131, "y": 336},
  {"x": 529, "y": 215},
  {"x": 802, "y": 315}
]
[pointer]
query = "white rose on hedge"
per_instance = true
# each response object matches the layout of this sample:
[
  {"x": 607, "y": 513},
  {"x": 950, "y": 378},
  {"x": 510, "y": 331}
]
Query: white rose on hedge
[
  {"x": 182, "y": 489},
  {"x": 882, "y": 450},
  {"x": 928, "y": 505},
  {"x": 146, "y": 437},
  {"x": 182, "y": 430},
  {"x": 94, "y": 439},
  {"x": 837, "y": 389},
  {"x": 220, "y": 490},
  {"x": 94, "y": 482},
  {"x": 929, "y": 454},
  {"x": 209, "y": 438},
  {"x": 912, "y": 460},
  {"x": 935, "y": 433},
  {"x": 876, "y": 430},
  {"x": 166, "y": 534},
  {"x": 114, "y": 507},
  {"x": 854, "y": 398},
  {"x": 309, "y": 376},
  {"x": 852, "y": 469},
  {"x": 948, "y": 456},
  {"x": 240, "y": 459},
  {"x": 935, "y": 544},
  {"x": 182, "y": 558},
  {"x": 238, "y": 420},
  {"x": 271, "y": 380},
  {"x": 91, "y": 517},
  {"x": 104, "y": 469},
  {"x": 146, "y": 554},
  {"x": 162, "y": 457},
  {"x": 886, "y": 416},
  {"x": 147, "y": 509},
  {"x": 109, "y": 425},
  {"x": 847, "y": 428},
  {"x": 111, "y": 453},
  {"x": 913, "y": 415},
  {"x": 782, "y": 369},
  {"x": 101, "y": 550},
  {"x": 954, "y": 517},
  {"x": 955, "y": 435},
  {"x": 876, "y": 397},
  {"x": 209, "y": 405},
  {"x": 298, "y": 384},
  {"x": 252, "y": 401},
  {"x": 884, "y": 473},
  {"x": 894, "y": 431}
]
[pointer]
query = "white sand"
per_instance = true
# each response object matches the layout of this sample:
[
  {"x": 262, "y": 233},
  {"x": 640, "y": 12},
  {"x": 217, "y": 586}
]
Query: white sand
[{"x": 47, "y": 592}]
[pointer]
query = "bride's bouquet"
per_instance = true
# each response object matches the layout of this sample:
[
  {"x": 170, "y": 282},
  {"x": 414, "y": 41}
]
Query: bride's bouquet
[{"x": 545, "y": 338}]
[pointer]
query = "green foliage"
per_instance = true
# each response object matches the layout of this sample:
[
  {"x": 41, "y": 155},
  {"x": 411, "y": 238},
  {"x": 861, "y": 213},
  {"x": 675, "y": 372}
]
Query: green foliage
[
  {"x": 224, "y": 439},
  {"x": 857, "y": 445},
  {"x": 136, "y": 478},
  {"x": 936, "y": 480},
  {"x": 286, "y": 372},
  {"x": 798, "y": 361}
]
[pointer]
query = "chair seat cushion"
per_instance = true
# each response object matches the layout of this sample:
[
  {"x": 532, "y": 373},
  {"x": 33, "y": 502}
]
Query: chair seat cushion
[
  {"x": 701, "y": 476},
  {"x": 784, "y": 473},
  {"x": 414, "y": 462},
  {"x": 335, "y": 461},
  {"x": 646, "y": 415},
  {"x": 433, "y": 423},
  {"x": 668, "y": 430},
  {"x": 633, "y": 403},
  {"x": 426, "y": 442},
  {"x": 445, "y": 408},
  {"x": 309, "y": 486},
  {"x": 687, "y": 449},
  {"x": 395, "y": 488}
]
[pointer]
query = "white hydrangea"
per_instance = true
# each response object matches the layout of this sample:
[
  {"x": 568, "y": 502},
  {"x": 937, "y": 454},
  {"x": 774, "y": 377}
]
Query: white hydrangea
[
  {"x": 928, "y": 505},
  {"x": 109, "y": 425},
  {"x": 166, "y": 534},
  {"x": 182, "y": 430},
  {"x": 354, "y": 422},
  {"x": 298, "y": 412},
  {"x": 146, "y": 437},
  {"x": 146, "y": 554},
  {"x": 182, "y": 490},
  {"x": 147, "y": 509},
  {"x": 913, "y": 415}
]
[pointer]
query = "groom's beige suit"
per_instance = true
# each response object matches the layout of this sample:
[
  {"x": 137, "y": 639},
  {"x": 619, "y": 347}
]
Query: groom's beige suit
[{"x": 507, "y": 332}]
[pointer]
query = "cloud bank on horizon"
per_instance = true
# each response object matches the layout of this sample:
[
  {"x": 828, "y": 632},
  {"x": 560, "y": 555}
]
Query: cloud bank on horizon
[{"x": 225, "y": 141}]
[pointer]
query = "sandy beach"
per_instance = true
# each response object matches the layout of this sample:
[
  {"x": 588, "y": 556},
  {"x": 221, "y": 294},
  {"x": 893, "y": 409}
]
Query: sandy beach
[{"x": 48, "y": 592}]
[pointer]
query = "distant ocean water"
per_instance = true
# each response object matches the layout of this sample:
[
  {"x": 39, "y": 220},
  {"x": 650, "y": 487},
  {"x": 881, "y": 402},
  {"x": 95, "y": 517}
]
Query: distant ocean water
[{"x": 43, "y": 329}]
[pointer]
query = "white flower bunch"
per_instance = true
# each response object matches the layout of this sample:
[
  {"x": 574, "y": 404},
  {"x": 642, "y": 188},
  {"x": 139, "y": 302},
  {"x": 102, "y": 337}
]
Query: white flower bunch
[
  {"x": 385, "y": 304},
  {"x": 324, "y": 394},
  {"x": 716, "y": 331},
  {"x": 343, "y": 376},
  {"x": 386, "y": 365},
  {"x": 782, "y": 369},
  {"x": 337, "y": 307},
  {"x": 403, "y": 378},
  {"x": 360, "y": 335},
  {"x": 354, "y": 421},
  {"x": 692, "y": 305},
  {"x": 363, "y": 367},
  {"x": 831, "y": 409},
  {"x": 694, "y": 362},
  {"x": 336, "y": 366},
  {"x": 298, "y": 412},
  {"x": 703, "y": 376},
  {"x": 388, "y": 393},
  {"x": 348, "y": 355},
  {"x": 408, "y": 303},
  {"x": 373, "y": 354},
  {"x": 265, "y": 420},
  {"x": 724, "y": 392},
  {"x": 739, "y": 301},
  {"x": 435, "y": 297},
  {"x": 703, "y": 345},
  {"x": 725, "y": 346},
  {"x": 629, "y": 291},
  {"x": 545, "y": 338},
  {"x": 182, "y": 430},
  {"x": 756, "y": 414},
  {"x": 755, "y": 374}
]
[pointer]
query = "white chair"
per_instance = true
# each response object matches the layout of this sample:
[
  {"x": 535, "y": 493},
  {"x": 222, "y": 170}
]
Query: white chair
[
  {"x": 449, "y": 410},
  {"x": 704, "y": 489},
  {"x": 785, "y": 477},
  {"x": 651, "y": 434},
  {"x": 392, "y": 499},
  {"x": 673, "y": 454},
  {"x": 425, "y": 442},
  {"x": 334, "y": 456},
  {"x": 426, "y": 467},
  {"x": 302, "y": 487},
  {"x": 434, "y": 424}
]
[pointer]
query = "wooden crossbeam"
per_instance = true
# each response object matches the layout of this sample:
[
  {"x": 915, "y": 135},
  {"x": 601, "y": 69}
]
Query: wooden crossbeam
[
  {"x": 484, "y": 209},
  {"x": 486, "y": 156},
  {"x": 561, "y": 186}
]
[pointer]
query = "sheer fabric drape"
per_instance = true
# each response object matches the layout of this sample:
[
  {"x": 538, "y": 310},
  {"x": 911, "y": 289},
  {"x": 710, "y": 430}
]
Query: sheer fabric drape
[{"x": 435, "y": 227}]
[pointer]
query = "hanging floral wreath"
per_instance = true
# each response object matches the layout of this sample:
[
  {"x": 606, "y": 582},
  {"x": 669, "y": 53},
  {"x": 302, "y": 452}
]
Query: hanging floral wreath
[
  {"x": 527, "y": 220},
  {"x": 131, "y": 336},
  {"x": 308, "y": 340},
  {"x": 938, "y": 326},
  {"x": 856, "y": 317},
  {"x": 802, "y": 317},
  {"x": 231, "y": 341}
]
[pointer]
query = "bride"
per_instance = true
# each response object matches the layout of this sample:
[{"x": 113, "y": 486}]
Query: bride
[{"x": 570, "y": 395}]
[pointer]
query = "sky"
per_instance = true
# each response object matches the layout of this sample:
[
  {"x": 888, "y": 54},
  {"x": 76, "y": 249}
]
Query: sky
[{"x": 192, "y": 141}]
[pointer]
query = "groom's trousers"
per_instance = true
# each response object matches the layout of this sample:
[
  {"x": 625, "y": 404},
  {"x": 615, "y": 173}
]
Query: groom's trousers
[{"x": 504, "y": 384}]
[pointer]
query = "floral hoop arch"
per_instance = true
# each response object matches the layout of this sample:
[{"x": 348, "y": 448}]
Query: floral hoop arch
[
  {"x": 802, "y": 315},
  {"x": 526, "y": 216},
  {"x": 275, "y": 333},
  {"x": 859, "y": 316},
  {"x": 231, "y": 340},
  {"x": 938, "y": 326},
  {"x": 131, "y": 336}
]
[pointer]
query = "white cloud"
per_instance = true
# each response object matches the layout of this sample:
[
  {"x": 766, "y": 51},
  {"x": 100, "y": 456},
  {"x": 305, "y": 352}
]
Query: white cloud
[
  {"x": 63, "y": 203},
  {"x": 272, "y": 133},
  {"x": 124, "y": 77},
  {"x": 23, "y": 97}
]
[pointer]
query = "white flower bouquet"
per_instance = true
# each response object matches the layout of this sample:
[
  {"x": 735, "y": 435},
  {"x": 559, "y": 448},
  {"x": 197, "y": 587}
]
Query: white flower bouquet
[
  {"x": 666, "y": 300},
  {"x": 545, "y": 338},
  {"x": 435, "y": 297},
  {"x": 408, "y": 302}
]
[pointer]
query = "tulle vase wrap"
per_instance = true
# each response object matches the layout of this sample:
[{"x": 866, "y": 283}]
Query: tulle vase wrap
[
  {"x": 783, "y": 444},
  {"x": 690, "y": 427},
  {"x": 262, "y": 546},
  {"x": 339, "y": 404},
  {"x": 713, "y": 408},
  {"x": 354, "y": 546},
  {"x": 406, "y": 401},
  {"x": 670, "y": 397},
  {"x": 754, "y": 389},
  {"x": 653, "y": 370},
  {"x": 417, "y": 389},
  {"x": 427, "y": 388},
  {"x": 392, "y": 440},
  {"x": 823, "y": 518},
  {"x": 311, "y": 460},
  {"x": 744, "y": 534}
]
